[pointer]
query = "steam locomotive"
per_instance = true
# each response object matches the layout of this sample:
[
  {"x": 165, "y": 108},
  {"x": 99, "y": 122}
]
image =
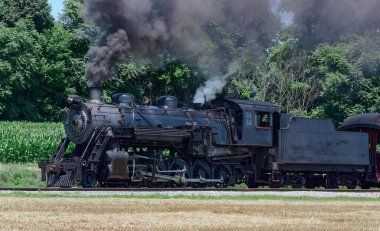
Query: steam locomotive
[{"x": 216, "y": 144}]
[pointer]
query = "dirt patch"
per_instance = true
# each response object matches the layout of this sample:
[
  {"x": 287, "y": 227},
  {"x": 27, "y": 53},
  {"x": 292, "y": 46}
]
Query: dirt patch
[{"x": 178, "y": 214}]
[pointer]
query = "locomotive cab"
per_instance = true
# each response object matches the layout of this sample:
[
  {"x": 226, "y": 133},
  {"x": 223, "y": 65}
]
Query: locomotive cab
[{"x": 251, "y": 122}]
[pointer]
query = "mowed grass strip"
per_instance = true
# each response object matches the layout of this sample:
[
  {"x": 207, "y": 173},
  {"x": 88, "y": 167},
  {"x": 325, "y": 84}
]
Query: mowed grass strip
[
  {"x": 185, "y": 214},
  {"x": 163, "y": 196}
]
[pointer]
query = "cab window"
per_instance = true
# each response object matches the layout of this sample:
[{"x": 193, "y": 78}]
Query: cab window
[
  {"x": 263, "y": 119},
  {"x": 249, "y": 119}
]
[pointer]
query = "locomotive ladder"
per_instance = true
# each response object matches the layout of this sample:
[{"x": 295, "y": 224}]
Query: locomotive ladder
[{"x": 97, "y": 144}]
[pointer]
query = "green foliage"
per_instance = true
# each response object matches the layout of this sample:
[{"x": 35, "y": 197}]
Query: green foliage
[
  {"x": 175, "y": 78},
  {"x": 22, "y": 142},
  {"x": 20, "y": 176},
  {"x": 37, "y": 69},
  {"x": 11, "y": 11},
  {"x": 348, "y": 85},
  {"x": 286, "y": 80},
  {"x": 42, "y": 60},
  {"x": 19, "y": 53},
  {"x": 61, "y": 70},
  {"x": 239, "y": 186},
  {"x": 72, "y": 15}
]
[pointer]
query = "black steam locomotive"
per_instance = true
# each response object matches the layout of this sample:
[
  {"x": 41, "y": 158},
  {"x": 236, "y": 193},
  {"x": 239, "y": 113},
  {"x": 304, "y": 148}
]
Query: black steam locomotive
[{"x": 220, "y": 143}]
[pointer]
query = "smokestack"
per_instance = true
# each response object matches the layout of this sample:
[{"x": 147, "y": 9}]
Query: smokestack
[{"x": 95, "y": 94}]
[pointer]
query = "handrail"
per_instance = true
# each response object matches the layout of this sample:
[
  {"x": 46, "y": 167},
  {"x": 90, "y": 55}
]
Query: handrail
[{"x": 89, "y": 143}]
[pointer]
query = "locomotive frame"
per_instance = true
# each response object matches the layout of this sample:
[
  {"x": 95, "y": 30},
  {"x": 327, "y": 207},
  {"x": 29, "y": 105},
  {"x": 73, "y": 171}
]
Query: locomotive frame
[{"x": 220, "y": 143}]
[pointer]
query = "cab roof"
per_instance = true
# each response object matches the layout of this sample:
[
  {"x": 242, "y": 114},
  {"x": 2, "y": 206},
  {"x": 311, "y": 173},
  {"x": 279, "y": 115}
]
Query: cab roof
[{"x": 246, "y": 105}]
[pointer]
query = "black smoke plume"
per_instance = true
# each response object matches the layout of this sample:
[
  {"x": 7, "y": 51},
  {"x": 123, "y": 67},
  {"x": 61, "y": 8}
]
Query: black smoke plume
[
  {"x": 327, "y": 21},
  {"x": 103, "y": 58},
  {"x": 147, "y": 27}
]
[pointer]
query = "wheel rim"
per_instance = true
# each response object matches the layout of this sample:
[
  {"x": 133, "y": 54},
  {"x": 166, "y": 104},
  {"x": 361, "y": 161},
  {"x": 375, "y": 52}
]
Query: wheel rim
[
  {"x": 201, "y": 170},
  {"x": 88, "y": 179},
  {"x": 179, "y": 164},
  {"x": 332, "y": 182},
  {"x": 350, "y": 182},
  {"x": 276, "y": 180},
  {"x": 296, "y": 181},
  {"x": 222, "y": 171}
]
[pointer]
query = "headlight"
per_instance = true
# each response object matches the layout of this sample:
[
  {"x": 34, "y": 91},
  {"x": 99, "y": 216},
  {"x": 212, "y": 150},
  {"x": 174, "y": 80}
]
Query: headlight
[{"x": 70, "y": 99}]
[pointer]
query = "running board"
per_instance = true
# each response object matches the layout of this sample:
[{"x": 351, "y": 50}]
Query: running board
[{"x": 182, "y": 179}]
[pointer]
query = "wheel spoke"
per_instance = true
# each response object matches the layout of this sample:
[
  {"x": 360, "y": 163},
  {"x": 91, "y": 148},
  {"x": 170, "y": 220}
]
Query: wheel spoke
[
  {"x": 179, "y": 164},
  {"x": 222, "y": 171},
  {"x": 201, "y": 169}
]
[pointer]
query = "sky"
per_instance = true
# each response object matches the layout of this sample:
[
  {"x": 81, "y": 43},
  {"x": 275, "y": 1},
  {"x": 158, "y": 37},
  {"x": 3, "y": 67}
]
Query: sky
[{"x": 57, "y": 7}]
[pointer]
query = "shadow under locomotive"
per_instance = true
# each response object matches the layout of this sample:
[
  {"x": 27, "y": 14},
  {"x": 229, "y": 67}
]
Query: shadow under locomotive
[{"x": 220, "y": 143}]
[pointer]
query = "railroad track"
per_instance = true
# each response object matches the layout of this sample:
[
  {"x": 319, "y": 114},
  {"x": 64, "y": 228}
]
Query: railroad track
[{"x": 185, "y": 190}]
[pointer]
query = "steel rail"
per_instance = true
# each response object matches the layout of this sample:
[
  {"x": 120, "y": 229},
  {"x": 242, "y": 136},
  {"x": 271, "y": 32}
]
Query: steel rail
[{"x": 184, "y": 190}]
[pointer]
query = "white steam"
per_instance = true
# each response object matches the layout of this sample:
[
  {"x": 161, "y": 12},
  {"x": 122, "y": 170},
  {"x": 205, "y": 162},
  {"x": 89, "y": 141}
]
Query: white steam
[{"x": 212, "y": 86}]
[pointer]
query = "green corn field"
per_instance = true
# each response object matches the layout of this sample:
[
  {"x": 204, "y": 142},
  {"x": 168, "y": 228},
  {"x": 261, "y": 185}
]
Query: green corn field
[{"x": 23, "y": 142}]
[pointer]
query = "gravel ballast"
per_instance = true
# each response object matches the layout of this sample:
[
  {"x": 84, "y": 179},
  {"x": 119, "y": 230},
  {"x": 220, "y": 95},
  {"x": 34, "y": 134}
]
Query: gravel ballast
[{"x": 354, "y": 194}]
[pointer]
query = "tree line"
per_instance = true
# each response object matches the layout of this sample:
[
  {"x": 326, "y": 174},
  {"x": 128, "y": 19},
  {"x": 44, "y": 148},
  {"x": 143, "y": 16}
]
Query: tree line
[{"x": 311, "y": 67}]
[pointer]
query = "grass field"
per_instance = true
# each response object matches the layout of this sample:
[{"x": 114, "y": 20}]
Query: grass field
[
  {"x": 20, "y": 213},
  {"x": 20, "y": 176}
]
